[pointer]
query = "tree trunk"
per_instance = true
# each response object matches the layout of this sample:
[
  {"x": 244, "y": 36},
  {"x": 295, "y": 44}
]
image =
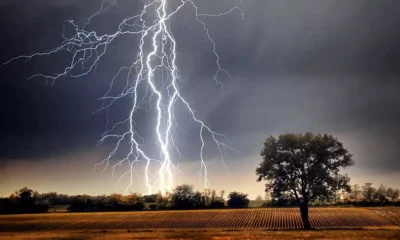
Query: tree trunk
[{"x": 304, "y": 215}]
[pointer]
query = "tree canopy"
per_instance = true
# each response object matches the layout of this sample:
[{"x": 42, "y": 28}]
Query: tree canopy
[
  {"x": 238, "y": 200},
  {"x": 306, "y": 166}
]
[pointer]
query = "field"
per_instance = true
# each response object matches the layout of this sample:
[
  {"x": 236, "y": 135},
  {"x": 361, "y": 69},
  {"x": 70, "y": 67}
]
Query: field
[{"x": 161, "y": 224}]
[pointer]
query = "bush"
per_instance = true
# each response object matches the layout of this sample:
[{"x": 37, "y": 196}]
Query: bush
[
  {"x": 238, "y": 200},
  {"x": 8, "y": 206},
  {"x": 138, "y": 206},
  {"x": 217, "y": 204},
  {"x": 183, "y": 197},
  {"x": 153, "y": 206}
]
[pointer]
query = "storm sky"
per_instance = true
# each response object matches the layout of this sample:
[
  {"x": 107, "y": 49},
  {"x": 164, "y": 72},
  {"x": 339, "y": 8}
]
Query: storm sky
[{"x": 325, "y": 66}]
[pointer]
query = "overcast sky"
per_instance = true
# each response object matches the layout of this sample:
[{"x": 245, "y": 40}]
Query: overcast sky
[{"x": 325, "y": 66}]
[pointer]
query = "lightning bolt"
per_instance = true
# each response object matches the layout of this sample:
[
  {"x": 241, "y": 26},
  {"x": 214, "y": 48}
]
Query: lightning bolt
[{"x": 156, "y": 53}]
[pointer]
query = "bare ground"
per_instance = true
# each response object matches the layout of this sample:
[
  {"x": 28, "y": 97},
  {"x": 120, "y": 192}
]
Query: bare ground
[
  {"x": 217, "y": 234},
  {"x": 333, "y": 223}
]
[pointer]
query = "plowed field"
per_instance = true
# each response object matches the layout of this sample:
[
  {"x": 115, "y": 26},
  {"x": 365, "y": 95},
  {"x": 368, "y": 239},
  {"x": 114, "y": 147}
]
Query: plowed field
[{"x": 279, "y": 219}]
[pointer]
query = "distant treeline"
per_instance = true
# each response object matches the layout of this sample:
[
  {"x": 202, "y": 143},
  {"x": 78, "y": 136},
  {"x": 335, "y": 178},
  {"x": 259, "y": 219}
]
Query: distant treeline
[
  {"x": 184, "y": 196},
  {"x": 365, "y": 195},
  {"x": 26, "y": 200}
]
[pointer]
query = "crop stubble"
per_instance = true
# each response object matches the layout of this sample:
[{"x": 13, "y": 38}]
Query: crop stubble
[{"x": 244, "y": 219}]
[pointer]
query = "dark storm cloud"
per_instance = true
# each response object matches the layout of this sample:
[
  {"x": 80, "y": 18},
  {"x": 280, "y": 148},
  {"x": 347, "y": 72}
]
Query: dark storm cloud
[
  {"x": 311, "y": 65},
  {"x": 43, "y": 120}
]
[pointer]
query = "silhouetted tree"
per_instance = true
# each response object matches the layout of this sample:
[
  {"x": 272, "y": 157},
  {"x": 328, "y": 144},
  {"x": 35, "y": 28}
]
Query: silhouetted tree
[
  {"x": 217, "y": 204},
  {"x": 206, "y": 197},
  {"x": 304, "y": 165},
  {"x": 221, "y": 194},
  {"x": 150, "y": 198},
  {"x": 182, "y": 197},
  {"x": 284, "y": 200},
  {"x": 196, "y": 200},
  {"x": 89, "y": 206},
  {"x": 133, "y": 201},
  {"x": 50, "y": 198},
  {"x": 238, "y": 200},
  {"x": 395, "y": 195},
  {"x": 25, "y": 200},
  {"x": 355, "y": 192},
  {"x": 381, "y": 193},
  {"x": 78, "y": 204},
  {"x": 153, "y": 206},
  {"x": 24, "y": 193},
  {"x": 114, "y": 202},
  {"x": 163, "y": 201},
  {"x": 217, "y": 201},
  {"x": 389, "y": 194},
  {"x": 368, "y": 192},
  {"x": 213, "y": 196}
]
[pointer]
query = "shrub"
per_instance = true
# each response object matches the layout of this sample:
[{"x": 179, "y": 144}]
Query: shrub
[{"x": 238, "y": 200}]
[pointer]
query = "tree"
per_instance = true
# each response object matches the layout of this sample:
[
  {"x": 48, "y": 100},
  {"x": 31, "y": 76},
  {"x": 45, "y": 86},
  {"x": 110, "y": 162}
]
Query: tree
[
  {"x": 78, "y": 203},
  {"x": 238, "y": 200},
  {"x": 218, "y": 203},
  {"x": 150, "y": 198},
  {"x": 221, "y": 194},
  {"x": 284, "y": 200},
  {"x": 389, "y": 194},
  {"x": 206, "y": 197},
  {"x": 24, "y": 193},
  {"x": 396, "y": 195},
  {"x": 182, "y": 197},
  {"x": 89, "y": 206},
  {"x": 51, "y": 198},
  {"x": 213, "y": 196},
  {"x": 163, "y": 201},
  {"x": 133, "y": 201},
  {"x": 196, "y": 200},
  {"x": 381, "y": 193},
  {"x": 355, "y": 192},
  {"x": 305, "y": 166},
  {"x": 25, "y": 199},
  {"x": 368, "y": 192},
  {"x": 209, "y": 199},
  {"x": 336, "y": 188}
]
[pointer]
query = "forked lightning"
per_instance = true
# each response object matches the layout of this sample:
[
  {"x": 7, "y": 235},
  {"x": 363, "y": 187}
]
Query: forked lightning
[{"x": 156, "y": 53}]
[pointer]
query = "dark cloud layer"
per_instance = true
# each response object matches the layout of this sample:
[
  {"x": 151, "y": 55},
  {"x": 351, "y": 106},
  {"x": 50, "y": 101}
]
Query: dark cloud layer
[{"x": 326, "y": 66}]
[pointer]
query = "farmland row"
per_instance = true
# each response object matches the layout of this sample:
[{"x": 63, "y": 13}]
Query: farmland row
[{"x": 280, "y": 219}]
